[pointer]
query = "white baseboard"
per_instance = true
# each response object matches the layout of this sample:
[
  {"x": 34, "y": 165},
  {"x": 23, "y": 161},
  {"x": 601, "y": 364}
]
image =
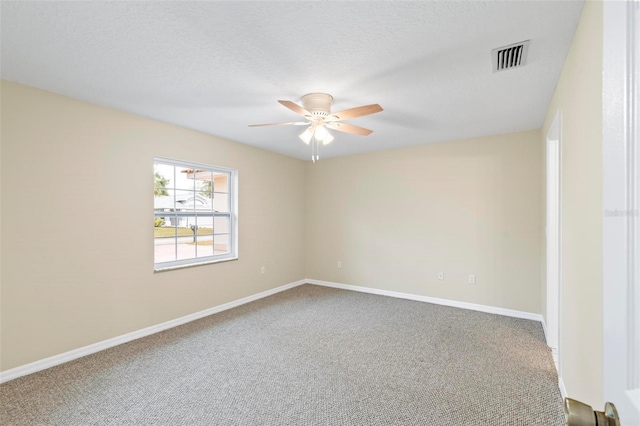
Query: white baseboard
[
  {"x": 544, "y": 328},
  {"x": 556, "y": 361},
  {"x": 563, "y": 390},
  {"x": 556, "y": 358},
  {"x": 52, "y": 361},
  {"x": 554, "y": 351},
  {"x": 446, "y": 302},
  {"x": 43, "y": 364}
]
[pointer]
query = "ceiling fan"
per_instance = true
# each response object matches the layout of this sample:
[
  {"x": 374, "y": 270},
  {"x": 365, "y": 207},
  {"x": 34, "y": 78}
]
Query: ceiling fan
[{"x": 316, "y": 108}]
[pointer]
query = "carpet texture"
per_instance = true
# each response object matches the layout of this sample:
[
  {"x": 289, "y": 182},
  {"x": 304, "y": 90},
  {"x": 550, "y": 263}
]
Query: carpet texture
[{"x": 307, "y": 356}]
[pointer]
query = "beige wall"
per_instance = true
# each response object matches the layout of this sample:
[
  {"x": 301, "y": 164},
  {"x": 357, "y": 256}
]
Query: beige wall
[
  {"x": 578, "y": 96},
  {"x": 77, "y": 240},
  {"x": 77, "y": 250},
  {"x": 395, "y": 218},
  {"x": 77, "y": 257}
]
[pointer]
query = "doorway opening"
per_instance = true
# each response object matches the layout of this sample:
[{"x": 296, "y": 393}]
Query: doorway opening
[{"x": 553, "y": 239}]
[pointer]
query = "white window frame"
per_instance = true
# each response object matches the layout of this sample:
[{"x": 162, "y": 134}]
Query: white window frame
[{"x": 232, "y": 215}]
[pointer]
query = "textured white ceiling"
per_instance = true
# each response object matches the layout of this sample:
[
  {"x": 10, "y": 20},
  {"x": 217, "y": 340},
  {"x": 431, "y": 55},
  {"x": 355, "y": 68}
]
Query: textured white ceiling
[{"x": 219, "y": 66}]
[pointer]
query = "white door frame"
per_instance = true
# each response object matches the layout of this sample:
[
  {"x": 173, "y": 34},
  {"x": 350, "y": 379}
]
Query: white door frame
[
  {"x": 621, "y": 195},
  {"x": 553, "y": 239}
]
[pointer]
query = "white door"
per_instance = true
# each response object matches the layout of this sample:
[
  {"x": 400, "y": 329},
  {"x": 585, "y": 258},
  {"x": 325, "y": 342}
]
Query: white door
[
  {"x": 553, "y": 239},
  {"x": 621, "y": 195}
]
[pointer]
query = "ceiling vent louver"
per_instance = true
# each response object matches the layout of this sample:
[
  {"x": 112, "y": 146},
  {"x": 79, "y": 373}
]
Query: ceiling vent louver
[{"x": 511, "y": 56}]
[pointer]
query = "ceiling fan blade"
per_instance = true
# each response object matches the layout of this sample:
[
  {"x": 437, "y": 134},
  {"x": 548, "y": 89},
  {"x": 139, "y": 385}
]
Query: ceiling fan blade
[
  {"x": 354, "y": 112},
  {"x": 349, "y": 128},
  {"x": 296, "y": 108},
  {"x": 291, "y": 123}
]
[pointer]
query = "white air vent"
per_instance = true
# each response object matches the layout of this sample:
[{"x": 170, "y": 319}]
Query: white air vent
[{"x": 512, "y": 56}]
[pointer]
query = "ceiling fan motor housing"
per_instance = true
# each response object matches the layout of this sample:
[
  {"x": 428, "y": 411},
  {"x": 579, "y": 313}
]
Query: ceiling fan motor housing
[{"x": 318, "y": 104}]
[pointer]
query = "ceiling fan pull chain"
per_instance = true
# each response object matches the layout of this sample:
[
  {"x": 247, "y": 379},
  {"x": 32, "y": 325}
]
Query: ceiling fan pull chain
[{"x": 313, "y": 149}]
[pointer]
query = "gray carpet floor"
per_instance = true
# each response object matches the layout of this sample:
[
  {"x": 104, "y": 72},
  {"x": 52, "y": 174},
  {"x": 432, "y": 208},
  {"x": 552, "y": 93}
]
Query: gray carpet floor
[{"x": 307, "y": 356}]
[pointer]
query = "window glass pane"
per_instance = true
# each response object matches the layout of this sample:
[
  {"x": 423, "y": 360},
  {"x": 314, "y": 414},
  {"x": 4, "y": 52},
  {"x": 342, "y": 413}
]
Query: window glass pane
[
  {"x": 220, "y": 202},
  {"x": 171, "y": 221},
  {"x": 163, "y": 203},
  {"x": 186, "y": 251},
  {"x": 204, "y": 184},
  {"x": 186, "y": 201},
  {"x": 205, "y": 245},
  {"x": 205, "y": 225},
  {"x": 187, "y": 226},
  {"x": 204, "y": 236},
  {"x": 165, "y": 251},
  {"x": 205, "y": 249},
  {"x": 161, "y": 223},
  {"x": 186, "y": 178},
  {"x": 162, "y": 178},
  {"x": 187, "y": 237},
  {"x": 164, "y": 242},
  {"x": 164, "y": 228},
  {"x": 221, "y": 225},
  {"x": 221, "y": 244},
  {"x": 203, "y": 204},
  {"x": 221, "y": 182},
  {"x": 205, "y": 201}
]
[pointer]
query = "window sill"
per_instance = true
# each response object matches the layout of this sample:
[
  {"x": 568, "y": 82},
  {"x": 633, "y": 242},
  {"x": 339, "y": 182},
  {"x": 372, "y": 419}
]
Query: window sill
[{"x": 193, "y": 265}]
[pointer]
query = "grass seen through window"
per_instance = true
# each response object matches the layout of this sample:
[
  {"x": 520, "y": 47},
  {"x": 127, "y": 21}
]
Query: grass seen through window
[{"x": 170, "y": 231}]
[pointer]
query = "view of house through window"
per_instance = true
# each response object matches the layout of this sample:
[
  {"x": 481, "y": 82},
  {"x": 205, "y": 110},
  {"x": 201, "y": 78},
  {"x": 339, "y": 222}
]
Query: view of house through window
[{"x": 193, "y": 213}]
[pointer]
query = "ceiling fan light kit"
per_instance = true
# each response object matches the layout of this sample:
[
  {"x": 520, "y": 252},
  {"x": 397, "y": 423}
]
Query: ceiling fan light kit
[
  {"x": 320, "y": 133},
  {"x": 316, "y": 108},
  {"x": 306, "y": 135}
]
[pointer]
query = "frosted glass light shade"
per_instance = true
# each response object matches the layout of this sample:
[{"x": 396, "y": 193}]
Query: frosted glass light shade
[
  {"x": 327, "y": 139},
  {"x": 306, "y": 135},
  {"x": 321, "y": 133}
]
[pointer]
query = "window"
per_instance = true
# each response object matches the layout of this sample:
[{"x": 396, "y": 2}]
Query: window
[{"x": 194, "y": 213}]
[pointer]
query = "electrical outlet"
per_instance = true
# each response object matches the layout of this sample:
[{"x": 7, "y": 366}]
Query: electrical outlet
[
  {"x": 339, "y": 263},
  {"x": 441, "y": 276},
  {"x": 472, "y": 279},
  {"x": 263, "y": 270}
]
